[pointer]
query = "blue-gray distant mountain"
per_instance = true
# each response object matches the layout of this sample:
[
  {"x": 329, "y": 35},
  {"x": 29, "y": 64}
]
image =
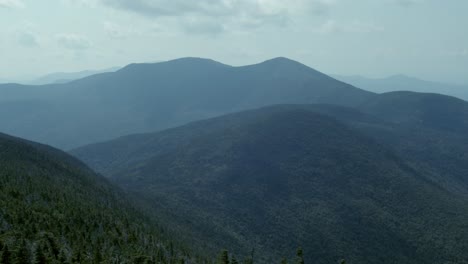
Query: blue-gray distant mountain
[
  {"x": 64, "y": 77},
  {"x": 149, "y": 97},
  {"x": 384, "y": 182},
  {"x": 405, "y": 83}
]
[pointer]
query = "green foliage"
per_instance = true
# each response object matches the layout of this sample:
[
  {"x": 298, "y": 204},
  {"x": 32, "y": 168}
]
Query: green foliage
[
  {"x": 40, "y": 258},
  {"x": 299, "y": 256},
  {"x": 224, "y": 257},
  {"x": 55, "y": 210},
  {"x": 22, "y": 253},
  {"x": 5, "y": 256},
  {"x": 280, "y": 176}
]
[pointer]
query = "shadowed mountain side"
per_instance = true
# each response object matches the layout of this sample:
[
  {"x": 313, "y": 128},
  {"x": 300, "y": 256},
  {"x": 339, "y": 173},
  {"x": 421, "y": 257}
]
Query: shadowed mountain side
[
  {"x": 440, "y": 112},
  {"x": 283, "y": 176}
]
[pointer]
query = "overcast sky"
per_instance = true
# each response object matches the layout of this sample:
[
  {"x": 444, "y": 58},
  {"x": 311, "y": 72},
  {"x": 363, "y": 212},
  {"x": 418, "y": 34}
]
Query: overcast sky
[{"x": 422, "y": 38}]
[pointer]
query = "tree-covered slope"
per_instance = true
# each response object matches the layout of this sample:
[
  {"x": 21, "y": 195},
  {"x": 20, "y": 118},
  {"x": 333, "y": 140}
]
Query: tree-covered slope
[
  {"x": 149, "y": 97},
  {"x": 430, "y": 131},
  {"x": 53, "y": 209},
  {"x": 279, "y": 177},
  {"x": 433, "y": 111}
]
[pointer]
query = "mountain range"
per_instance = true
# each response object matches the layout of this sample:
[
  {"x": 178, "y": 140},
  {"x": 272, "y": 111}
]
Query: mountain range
[
  {"x": 260, "y": 160},
  {"x": 57, "y": 77},
  {"x": 64, "y": 77},
  {"x": 149, "y": 97}
]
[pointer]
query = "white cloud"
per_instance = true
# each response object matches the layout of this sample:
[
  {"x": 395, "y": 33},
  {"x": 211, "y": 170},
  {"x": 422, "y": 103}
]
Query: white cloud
[
  {"x": 115, "y": 31},
  {"x": 27, "y": 39},
  {"x": 26, "y": 34},
  {"x": 333, "y": 26},
  {"x": 157, "y": 8},
  {"x": 407, "y": 3},
  {"x": 215, "y": 16},
  {"x": 85, "y": 3},
  {"x": 457, "y": 53},
  {"x": 12, "y": 4},
  {"x": 74, "y": 41},
  {"x": 201, "y": 25},
  {"x": 362, "y": 27}
]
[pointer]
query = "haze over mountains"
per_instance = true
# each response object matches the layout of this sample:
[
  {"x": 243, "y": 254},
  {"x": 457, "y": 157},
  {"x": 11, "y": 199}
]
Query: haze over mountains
[
  {"x": 230, "y": 144},
  {"x": 149, "y": 97},
  {"x": 59, "y": 77},
  {"x": 268, "y": 157},
  {"x": 405, "y": 83},
  {"x": 260, "y": 171},
  {"x": 64, "y": 77}
]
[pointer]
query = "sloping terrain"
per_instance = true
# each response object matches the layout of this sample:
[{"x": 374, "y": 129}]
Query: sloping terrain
[
  {"x": 279, "y": 177},
  {"x": 53, "y": 209},
  {"x": 405, "y": 83}
]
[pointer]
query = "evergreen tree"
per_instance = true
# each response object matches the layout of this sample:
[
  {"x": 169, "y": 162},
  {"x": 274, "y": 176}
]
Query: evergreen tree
[
  {"x": 39, "y": 257},
  {"x": 224, "y": 257},
  {"x": 6, "y": 255},
  {"x": 97, "y": 256},
  {"x": 300, "y": 256},
  {"x": 160, "y": 257},
  {"x": 77, "y": 257},
  {"x": 63, "y": 257},
  {"x": 284, "y": 261},
  {"x": 250, "y": 260},
  {"x": 171, "y": 250},
  {"x": 234, "y": 260},
  {"x": 22, "y": 254},
  {"x": 53, "y": 245},
  {"x": 342, "y": 261}
]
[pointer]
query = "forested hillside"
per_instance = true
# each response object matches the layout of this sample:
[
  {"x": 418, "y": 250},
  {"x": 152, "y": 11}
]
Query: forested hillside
[
  {"x": 53, "y": 209},
  {"x": 279, "y": 177}
]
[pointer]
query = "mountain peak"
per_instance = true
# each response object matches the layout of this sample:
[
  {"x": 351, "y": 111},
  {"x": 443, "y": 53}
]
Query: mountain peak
[
  {"x": 282, "y": 61},
  {"x": 196, "y": 61},
  {"x": 186, "y": 62},
  {"x": 288, "y": 67}
]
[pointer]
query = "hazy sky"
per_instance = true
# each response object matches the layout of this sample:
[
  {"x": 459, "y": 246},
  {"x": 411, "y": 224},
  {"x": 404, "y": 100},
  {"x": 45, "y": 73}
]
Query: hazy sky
[{"x": 422, "y": 38}]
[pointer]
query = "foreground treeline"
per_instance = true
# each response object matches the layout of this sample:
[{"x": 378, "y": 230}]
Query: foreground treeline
[
  {"x": 225, "y": 258},
  {"x": 55, "y": 210},
  {"x": 47, "y": 250}
]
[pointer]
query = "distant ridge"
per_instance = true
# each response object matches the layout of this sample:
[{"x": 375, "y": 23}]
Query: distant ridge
[
  {"x": 153, "y": 96},
  {"x": 401, "y": 82}
]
